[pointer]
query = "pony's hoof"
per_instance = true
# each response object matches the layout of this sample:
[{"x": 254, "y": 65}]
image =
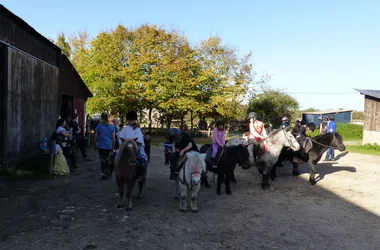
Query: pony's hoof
[
  {"x": 183, "y": 210},
  {"x": 176, "y": 197},
  {"x": 194, "y": 210},
  {"x": 296, "y": 173},
  {"x": 228, "y": 192},
  {"x": 265, "y": 186},
  {"x": 273, "y": 177},
  {"x": 219, "y": 192},
  {"x": 120, "y": 205},
  {"x": 312, "y": 179},
  {"x": 129, "y": 209}
]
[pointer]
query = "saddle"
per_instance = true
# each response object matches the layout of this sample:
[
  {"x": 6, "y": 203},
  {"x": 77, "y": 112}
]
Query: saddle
[
  {"x": 262, "y": 149},
  {"x": 217, "y": 157},
  {"x": 308, "y": 145}
]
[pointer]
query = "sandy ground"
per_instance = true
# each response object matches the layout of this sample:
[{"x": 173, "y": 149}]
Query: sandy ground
[{"x": 341, "y": 212}]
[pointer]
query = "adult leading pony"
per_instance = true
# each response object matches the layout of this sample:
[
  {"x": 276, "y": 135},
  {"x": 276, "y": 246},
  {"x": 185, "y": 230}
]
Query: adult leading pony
[
  {"x": 319, "y": 146},
  {"x": 270, "y": 150},
  {"x": 126, "y": 172},
  {"x": 189, "y": 180}
]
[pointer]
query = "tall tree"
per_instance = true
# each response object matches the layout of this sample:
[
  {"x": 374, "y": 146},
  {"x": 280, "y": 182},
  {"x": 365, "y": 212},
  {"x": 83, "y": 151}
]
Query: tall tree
[
  {"x": 273, "y": 104},
  {"x": 63, "y": 43},
  {"x": 224, "y": 79}
]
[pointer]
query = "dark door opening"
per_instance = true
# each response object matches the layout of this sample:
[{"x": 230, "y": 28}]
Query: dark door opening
[
  {"x": 3, "y": 101},
  {"x": 67, "y": 106}
]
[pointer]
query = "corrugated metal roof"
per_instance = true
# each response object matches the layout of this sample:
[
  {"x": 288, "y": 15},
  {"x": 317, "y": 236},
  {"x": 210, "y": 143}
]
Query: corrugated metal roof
[
  {"x": 322, "y": 112},
  {"x": 369, "y": 92}
]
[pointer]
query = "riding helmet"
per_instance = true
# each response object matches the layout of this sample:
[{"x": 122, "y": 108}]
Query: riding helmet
[
  {"x": 132, "y": 115},
  {"x": 284, "y": 119},
  {"x": 311, "y": 126},
  {"x": 252, "y": 115},
  {"x": 174, "y": 134}
]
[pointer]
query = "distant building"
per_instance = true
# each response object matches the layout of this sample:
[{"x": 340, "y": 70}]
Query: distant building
[
  {"x": 340, "y": 116},
  {"x": 371, "y": 131}
]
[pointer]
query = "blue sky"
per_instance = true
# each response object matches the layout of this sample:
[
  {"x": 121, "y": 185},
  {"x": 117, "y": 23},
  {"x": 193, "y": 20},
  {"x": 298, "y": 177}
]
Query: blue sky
[{"x": 309, "y": 46}]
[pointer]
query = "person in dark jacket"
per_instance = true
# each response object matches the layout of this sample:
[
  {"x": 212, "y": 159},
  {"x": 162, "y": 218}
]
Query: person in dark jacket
[
  {"x": 183, "y": 144},
  {"x": 297, "y": 127},
  {"x": 80, "y": 140},
  {"x": 147, "y": 144}
]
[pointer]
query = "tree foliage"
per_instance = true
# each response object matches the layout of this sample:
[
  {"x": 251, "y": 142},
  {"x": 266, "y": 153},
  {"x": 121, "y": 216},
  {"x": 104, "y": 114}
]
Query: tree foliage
[
  {"x": 151, "y": 68},
  {"x": 272, "y": 105}
]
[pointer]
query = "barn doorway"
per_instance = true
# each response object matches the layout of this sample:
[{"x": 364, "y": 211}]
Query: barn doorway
[
  {"x": 67, "y": 106},
  {"x": 3, "y": 100}
]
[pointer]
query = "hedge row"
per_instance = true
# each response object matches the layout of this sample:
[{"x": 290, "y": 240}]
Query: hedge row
[{"x": 350, "y": 132}]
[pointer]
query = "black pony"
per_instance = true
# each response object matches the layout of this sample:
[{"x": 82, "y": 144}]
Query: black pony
[
  {"x": 225, "y": 167},
  {"x": 320, "y": 144}
]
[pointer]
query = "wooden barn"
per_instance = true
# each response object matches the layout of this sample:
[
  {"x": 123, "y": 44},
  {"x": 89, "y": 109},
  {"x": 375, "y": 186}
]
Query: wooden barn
[
  {"x": 32, "y": 89},
  {"x": 371, "y": 130}
]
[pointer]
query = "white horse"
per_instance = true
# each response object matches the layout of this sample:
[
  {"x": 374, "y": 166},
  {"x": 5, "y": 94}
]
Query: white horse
[
  {"x": 189, "y": 180},
  {"x": 273, "y": 145}
]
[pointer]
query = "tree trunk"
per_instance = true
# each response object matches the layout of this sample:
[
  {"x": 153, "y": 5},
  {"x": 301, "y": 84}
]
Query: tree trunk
[
  {"x": 169, "y": 120},
  {"x": 150, "y": 120},
  {"x": 191, "y": 120},
  {"x": 182, "y": 117}
]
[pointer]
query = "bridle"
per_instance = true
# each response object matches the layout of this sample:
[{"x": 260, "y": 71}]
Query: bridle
[
  {"x": 287, "y": 138},
  {"x": 184, "y": 181}
]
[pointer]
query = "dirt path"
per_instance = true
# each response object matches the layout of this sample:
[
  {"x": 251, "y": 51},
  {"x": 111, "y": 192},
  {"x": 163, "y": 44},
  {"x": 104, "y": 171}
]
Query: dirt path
[{"x": 341, "y": 212}]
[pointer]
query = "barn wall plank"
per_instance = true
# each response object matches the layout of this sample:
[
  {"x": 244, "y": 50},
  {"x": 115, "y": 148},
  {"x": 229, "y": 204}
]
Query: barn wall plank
[
  {"x": 372, "y": 114},
  {"x": 32, "y": 104}
]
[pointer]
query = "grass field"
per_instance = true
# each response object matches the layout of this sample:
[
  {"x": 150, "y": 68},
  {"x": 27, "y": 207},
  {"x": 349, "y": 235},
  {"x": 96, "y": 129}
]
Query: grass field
[{"x": 360, "y": 149}]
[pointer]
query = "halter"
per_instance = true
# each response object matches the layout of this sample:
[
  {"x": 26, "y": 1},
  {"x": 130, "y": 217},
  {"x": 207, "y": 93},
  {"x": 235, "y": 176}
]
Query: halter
[
  {"x": 287, "y": 138},
  {"x": 184, "y": 182}
]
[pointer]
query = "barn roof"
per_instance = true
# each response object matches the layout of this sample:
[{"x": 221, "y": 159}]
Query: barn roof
[
  {"x": 24, "y": 25},
  {"x": 70, "y": 81},
  {"x": 322, "y": 112},
  {"x": 369, "y": 92}
]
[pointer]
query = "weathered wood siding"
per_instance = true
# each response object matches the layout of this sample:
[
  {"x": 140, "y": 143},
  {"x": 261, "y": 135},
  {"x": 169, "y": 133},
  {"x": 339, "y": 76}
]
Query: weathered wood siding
[
  {"x": 32, "y": 104},
  {"x": 372, "y": 114},
  {"x": 17, "y": 33}
]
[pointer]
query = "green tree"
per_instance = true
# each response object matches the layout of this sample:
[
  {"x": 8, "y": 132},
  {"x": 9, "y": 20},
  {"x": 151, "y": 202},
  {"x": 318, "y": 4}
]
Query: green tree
[
  {"x": 223, "y": 80},
  {"x": 273, "y": 104},
  {"x": 63, "y": 43}
]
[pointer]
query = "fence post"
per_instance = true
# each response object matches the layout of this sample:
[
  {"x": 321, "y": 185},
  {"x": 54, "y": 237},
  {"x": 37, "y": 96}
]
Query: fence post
[{"x": 51, "y": 156}]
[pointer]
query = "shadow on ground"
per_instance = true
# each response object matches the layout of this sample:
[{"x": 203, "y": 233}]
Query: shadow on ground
[{"x": 78, "y": 212}]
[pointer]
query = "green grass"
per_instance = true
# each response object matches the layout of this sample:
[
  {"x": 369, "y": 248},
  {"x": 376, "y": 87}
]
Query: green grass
[
  {"x": 359, "y": 149},
  {"x": 350, "y": 132},
  {"x": 371, "y": 149}
]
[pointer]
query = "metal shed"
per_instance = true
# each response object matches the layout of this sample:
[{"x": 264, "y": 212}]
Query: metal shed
[{"x": 340, "y": 116}]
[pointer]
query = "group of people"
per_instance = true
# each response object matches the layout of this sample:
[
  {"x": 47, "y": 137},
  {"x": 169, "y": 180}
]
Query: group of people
[
  {"x": 108, "y": 135},
  {"x": 67, "y": 134}
]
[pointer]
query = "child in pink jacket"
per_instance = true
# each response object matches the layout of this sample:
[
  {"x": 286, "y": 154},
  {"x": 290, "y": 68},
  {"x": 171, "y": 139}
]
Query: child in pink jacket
[{"x": 218, "y": 138}]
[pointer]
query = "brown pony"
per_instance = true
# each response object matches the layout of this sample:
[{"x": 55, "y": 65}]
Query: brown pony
[{"x": 125, "y": 172}]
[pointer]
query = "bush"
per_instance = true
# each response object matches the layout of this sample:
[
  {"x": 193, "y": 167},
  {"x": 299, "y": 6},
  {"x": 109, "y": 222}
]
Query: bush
[{"x": 350, "y": 132}]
